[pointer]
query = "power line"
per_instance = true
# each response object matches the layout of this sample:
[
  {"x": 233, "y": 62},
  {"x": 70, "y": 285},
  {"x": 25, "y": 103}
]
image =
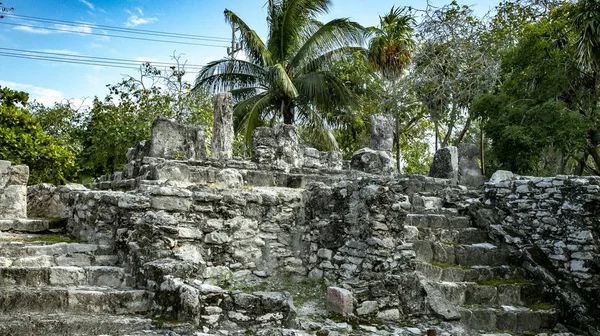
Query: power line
[
  {"x": 119, "y": 29},
  {"x": 93, "y": 58},
  {"x": 118, "y": 36},
  {"x": 72, "y": 61}
]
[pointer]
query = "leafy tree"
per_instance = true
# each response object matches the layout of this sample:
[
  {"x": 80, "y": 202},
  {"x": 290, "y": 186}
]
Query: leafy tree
[
  {"x": 453, "y": 65},
  {"x": 12, "y": 98},
  {"x": 541, "y": 118},
  {"x": 289, "y": 77},
  {"x": 390, "y": 52},
  {"x": 586, "y": 25},
  {"x": 22, "y": 141},
  {"x": 125, "y": 116}
]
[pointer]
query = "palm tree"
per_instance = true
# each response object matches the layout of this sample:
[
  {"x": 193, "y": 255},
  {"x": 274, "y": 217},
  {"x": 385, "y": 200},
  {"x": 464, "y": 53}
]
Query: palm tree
[
  {"x": 289, "y": 77},
  {"x": 390, "y": 51},
  {"x": 587, "y": 27}
]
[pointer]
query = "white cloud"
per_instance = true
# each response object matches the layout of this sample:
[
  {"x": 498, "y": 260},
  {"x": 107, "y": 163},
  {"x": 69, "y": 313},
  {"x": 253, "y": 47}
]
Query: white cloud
[
  {"x": 60, "y": 51},
  {"x": 32, "y": 30},
  {"x": 95, "y": 45},
  {"x": 42, "y": 95},
  {"x": 87, "y": 3},
  {"x": 85, "y": 29},
  {"x": 147, "y": 59},
  {"x": 57, "y": 29},
  {"x": 135, "y": 20}
]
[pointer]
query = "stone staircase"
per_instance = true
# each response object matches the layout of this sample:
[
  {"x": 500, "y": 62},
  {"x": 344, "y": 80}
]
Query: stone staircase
[
  {"x": 472, "y": 275},
  {"x": 52, "y": 285}
]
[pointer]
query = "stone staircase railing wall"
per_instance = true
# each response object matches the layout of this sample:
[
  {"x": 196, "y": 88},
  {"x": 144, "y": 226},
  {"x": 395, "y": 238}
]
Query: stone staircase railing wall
[{"x": 555, "y": 221}]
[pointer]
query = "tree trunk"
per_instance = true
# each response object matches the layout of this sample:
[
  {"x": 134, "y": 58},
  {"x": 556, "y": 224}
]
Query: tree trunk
[
  {"x": 482, "y": 152},
  {"x": 464, "y": 131},
  {"x": 581, "y": 165},
  {"x": 436, "y": 130},
  {"x": 398, "y": 143},
  {"x": 287, "y": 110}
]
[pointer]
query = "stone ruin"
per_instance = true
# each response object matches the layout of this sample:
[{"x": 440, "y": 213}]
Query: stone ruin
[{"x": 298, "y": 242}]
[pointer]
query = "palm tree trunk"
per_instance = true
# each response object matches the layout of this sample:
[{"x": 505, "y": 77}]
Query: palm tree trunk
[{"x": 287, "y": 111}]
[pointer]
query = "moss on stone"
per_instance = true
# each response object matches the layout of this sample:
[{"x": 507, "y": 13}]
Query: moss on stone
[
  {"x": 162, "y": 322},
  {"x": 541, "y": 306},
  {"x": 51, "y": 238},
  {"x": 497, "y": 282}
]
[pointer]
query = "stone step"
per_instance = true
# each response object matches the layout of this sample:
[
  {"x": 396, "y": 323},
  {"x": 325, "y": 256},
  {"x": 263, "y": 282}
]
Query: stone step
[
  {"x": 508, "y": 318},
  {"x": 457, "y": 273},
  {"x": 45, "y": 254},
  {"x": 74, "y": 299},
  {"x": 444, "y": 235},
  {"x": 437, "y": 221},
  {"x": 67, "y": 259},
  {"x": 107, "y": 276},
  {"x": 32, "y": 324},
  {"x": 468, "y": 255},
  {"x": 494, "y": 293},
  {"x": 32, "y": 225}
]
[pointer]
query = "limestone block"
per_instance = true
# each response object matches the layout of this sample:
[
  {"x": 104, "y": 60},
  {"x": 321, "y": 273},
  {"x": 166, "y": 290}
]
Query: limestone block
[
  {"x": 469, "y": 173},
  {"x": 367, "y": 308},
  {"x": 445, "y": 164},
  {"x": 13, "y": 190},
  {"x": 230, "y": 178},
  {"x": 501, "y": 175},
  {"x": 382, "y": 132},
  {"x": 340, "y": 300},
  {"x": 222, "y": 137},
  {"x": 372, "y": 161},
  {"x": 172, "y": 140}
]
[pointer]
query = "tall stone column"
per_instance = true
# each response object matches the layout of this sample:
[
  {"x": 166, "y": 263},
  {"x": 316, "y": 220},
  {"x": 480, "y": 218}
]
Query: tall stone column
[
  {"x": 382, "y": 132},
  {"x": 222, "y": 136}
]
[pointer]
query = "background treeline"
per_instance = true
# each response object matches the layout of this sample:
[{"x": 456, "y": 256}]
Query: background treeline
[{"x": 522, "y": 82}]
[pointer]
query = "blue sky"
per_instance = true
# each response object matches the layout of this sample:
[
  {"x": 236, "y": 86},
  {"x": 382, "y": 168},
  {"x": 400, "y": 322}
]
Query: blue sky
[{"x": 49, "y": 81}]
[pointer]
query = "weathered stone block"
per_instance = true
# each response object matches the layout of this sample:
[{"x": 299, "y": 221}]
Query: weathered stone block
[
  {"x": 172, "y": 140},
  {"x": 445, "y": 164},
  {"x": 372, "y": 161},
  {"x": 469, "y": 173},
  {"x": 222, "y": 137},
  {"x": 13, "y": 190},
  {"x": 340, "y": 300},
  {"x": 382, "y": 132}
]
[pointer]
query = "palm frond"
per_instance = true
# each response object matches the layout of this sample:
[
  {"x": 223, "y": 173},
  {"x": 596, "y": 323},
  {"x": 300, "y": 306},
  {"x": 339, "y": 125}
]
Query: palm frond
[
  {"x": 335, "y": 34},
  {"x": 250, "y": 114},
  {"x": 228, "y": 74},
  {"x": 254, "y": 47},
  {"x": 327, "y": 60},
  {"x": 318, "y": 129},
  {"x": 278, "y": 77}
]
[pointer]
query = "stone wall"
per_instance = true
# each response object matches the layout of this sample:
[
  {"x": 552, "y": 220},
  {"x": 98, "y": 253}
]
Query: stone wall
[
  {"x": 13, "y": 190},
  {"x": 555, "y": 223},
  {"x": 357, "y": 234},
  {"x": 277, "y": 160},
  {"x": 179, "y": 240}
]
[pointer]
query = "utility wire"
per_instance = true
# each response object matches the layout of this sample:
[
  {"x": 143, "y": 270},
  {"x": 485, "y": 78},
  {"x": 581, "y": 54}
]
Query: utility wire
[
  {"x": 109, "y": 35},
  {"x": 72, "y": 61},
  {"x": 94, "y": 58},
  {"x": 119, "y": 29}
]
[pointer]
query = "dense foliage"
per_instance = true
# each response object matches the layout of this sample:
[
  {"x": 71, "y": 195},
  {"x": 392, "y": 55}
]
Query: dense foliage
[
  {"x": 22, "y": 141},
  {"x": 544, "y": 116},
  {"x": 522, "y": 82},
  {"x": 289, "y": 77}
]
